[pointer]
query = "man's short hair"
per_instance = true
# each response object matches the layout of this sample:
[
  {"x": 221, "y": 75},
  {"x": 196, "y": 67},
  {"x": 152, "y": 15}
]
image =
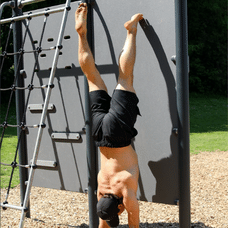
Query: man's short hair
[{"x": 107, "y": 209}]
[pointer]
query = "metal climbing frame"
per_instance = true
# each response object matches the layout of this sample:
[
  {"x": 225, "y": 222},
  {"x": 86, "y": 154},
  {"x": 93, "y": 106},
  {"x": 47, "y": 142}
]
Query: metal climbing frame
[
  {"x": 42, "y": 125},
  {"x": 182, "y": 131}
]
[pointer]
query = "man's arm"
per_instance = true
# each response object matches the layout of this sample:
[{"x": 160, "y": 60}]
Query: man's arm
[
  {"x": 132, "y": 206},
  {"x": 103, "y": 224}
]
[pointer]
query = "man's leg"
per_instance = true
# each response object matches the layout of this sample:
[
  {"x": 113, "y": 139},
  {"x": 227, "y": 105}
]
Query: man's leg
[
  {"x": 128, "y": 54},
  {"x": 85, "y": 56}
]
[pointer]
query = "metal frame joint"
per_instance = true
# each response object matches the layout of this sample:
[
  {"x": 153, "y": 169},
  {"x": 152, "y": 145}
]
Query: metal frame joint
[{"x": 4, "y": 208}]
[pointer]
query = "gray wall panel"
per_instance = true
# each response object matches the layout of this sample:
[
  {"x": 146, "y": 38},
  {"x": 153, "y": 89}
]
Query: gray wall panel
[
  {"x": 68, "y": 99},
  {"x": 154, "y": 82}
]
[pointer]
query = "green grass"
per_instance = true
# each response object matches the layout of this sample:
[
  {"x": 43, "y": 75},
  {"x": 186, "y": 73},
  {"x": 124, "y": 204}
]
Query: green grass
[
  {"x": 208, "y": 131},
  {"x": 8, "y": 149},
  {"x": 208, "y": 123},
  {"x": 210, "y": 141}
]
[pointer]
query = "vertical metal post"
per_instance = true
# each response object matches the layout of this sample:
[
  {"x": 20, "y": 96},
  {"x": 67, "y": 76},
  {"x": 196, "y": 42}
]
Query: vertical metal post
[
  {"x": 183, "y": 111},
  {"x": 91, "y": 163},
  {"x": 90, "y": 145},
  {"x": 20, "y": 102}
]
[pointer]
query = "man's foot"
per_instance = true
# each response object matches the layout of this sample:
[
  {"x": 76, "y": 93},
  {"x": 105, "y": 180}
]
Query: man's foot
[
  {"x": 81, "y": 19},
  {"x": 131, "y": 25}
]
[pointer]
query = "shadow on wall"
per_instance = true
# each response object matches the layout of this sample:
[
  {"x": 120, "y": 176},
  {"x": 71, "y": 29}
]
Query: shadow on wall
[
  {"x": 165, "y": 176},
  {"x": 165, "y": 171},
  {"x": 113, "y": 68}
]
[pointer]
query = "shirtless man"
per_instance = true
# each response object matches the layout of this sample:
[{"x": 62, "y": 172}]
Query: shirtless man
[{"x": 113, "y": 126}]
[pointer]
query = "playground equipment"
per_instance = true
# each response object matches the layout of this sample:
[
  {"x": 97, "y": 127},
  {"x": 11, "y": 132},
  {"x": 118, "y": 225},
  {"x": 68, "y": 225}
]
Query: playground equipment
[{"x": 56, "y": 96}]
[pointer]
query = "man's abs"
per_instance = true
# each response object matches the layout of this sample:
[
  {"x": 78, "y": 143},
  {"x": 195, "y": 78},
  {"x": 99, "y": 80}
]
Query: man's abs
[{"x": 119, "y": 170}]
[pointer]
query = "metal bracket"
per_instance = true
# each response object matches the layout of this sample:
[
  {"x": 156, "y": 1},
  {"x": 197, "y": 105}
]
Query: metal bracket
[
  {"x": 175, "y": 130},
  {"x": 173, "y": 58},
  {"x": 177, "y": 202},
  {"x": 23, "y": 73}
]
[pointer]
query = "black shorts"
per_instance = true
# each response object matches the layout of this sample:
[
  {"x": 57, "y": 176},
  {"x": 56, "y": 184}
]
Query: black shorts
[{"x": 113, "y": 118}]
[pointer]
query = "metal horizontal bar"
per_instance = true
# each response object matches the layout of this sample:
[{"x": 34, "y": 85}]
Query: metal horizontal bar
[
  {"x": 12, "y": 206},
  {"x": 39, "y": 107},
  {"x": 16, "y": 165},
  {"x": 43, "y": 163},
  {"x": 30, "y": 15},
  {"x": 65, "y": 136}
]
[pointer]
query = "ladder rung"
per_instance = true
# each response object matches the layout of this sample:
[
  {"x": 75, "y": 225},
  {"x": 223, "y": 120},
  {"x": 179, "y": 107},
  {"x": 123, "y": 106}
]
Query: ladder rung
[
  {"x": 13, "y": 207},
  {"x": 65, "y": 136},
  {"x": 39, "y": 107},
  {"x": 45, "y": 164}
]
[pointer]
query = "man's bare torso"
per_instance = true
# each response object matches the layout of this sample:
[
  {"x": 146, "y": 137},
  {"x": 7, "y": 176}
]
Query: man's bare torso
[{"x": 119, "y": 171}]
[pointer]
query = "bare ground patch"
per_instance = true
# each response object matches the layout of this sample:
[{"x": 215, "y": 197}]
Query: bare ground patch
[{"x": 62, "y": 209}]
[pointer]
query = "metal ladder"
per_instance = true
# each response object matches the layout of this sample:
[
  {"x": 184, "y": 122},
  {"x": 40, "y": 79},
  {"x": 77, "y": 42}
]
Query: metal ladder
[{"x": 42, "y": 125}]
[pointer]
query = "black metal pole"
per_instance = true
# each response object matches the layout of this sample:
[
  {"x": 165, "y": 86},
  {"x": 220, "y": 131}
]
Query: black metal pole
[
  {"x": 90, "y": 147},
  {"x": 20, "y": 102},
  {"x": 91, "y": 164},
  {"x": 183, "y": 111}
]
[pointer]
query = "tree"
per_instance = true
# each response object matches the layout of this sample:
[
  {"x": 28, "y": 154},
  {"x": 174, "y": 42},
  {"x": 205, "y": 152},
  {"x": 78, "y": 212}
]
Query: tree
[
  {"x": 207, "y": 46},
  {"x": 6, "y": 77}
]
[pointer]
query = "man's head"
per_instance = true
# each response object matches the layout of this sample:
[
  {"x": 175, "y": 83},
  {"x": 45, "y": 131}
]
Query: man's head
[{"x": 107, "y": 209}]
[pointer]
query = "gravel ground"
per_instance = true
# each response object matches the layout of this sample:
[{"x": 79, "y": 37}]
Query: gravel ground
[{"x": 209, "y": 202}]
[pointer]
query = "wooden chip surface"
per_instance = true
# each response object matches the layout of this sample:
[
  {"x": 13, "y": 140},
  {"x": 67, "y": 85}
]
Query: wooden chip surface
[{"x": 60, "y": 209}]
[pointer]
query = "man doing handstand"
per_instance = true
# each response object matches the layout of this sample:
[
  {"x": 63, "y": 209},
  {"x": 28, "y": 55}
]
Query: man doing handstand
[{"x": 113, "y": 126}]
